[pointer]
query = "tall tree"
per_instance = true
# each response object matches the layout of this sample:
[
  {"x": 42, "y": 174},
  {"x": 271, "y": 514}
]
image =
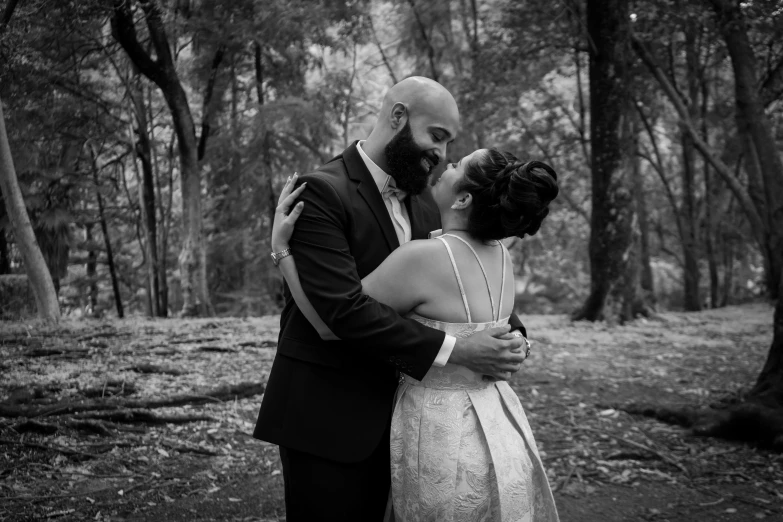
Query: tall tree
[
  {"x": 35, "y": 266},
  {"x": 611, "y": 222},
  {"x": 162, "y": 71},
  {"x": 763, "y": 163},
  {"x": 764, "y": 168}
]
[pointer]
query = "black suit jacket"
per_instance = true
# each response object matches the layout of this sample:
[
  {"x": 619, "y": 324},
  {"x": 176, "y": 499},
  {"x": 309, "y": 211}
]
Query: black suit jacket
[{"x": 334, "y": 399}]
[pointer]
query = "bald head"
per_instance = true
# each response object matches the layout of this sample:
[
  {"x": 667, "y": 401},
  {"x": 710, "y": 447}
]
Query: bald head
[
  {"x": 416, "y": 110},
  {"x": 421, "y": 96}
]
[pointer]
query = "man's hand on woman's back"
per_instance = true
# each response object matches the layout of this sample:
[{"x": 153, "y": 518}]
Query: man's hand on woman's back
[{"x": 492, "y": 352}]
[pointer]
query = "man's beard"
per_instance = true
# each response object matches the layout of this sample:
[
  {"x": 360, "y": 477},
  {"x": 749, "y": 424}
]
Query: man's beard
[{"x": 404, "y": 160}]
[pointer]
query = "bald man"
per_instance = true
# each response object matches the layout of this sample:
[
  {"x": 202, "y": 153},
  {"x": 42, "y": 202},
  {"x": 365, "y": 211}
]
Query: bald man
[{"x": 328, "y": 404}]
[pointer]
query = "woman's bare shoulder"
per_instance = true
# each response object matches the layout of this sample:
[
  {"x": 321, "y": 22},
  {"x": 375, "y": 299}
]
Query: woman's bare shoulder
[
  {"x": 424, "y": 258},
  {"x": 420, "y": 249}
]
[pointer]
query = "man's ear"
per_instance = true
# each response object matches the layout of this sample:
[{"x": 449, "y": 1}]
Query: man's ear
[
  {"x": 463, "y": 201},
  {"x": 398, "y": 116}
]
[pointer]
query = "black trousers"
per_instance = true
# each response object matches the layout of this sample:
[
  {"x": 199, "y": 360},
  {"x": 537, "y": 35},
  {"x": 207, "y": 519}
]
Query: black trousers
[{"x": 324, "y": 490}]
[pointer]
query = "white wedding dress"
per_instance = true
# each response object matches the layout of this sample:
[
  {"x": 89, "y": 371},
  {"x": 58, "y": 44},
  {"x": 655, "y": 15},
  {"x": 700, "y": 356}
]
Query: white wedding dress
[{"x": 461, "y": 446}]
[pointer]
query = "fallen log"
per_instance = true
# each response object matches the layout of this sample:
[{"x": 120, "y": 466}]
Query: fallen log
[
  {"x": 141, "y": 417},
  {"x": 221, "y": 394},
  {"x": 154, "y": 368}
]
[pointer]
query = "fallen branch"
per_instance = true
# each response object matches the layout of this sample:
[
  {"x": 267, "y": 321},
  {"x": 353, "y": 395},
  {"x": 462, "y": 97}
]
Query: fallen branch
[
  {"x": 221, "y": 394},
  {"x": 732, "y": 496},
  {"x": 189, "y": 449},
  {"x": 564, "y": 482},
  {"x": 154, "y": 368},
  {"x": 59, "y": 449},
  {"x": 640, "y": 446},
  {"x": 33, "y": 426},
  {"x": 219, "y": 349},
  {"x": 142, "y": 417},
  {"x": 97, "y": 335},
  {"x": 96, "y": 427},
  {"x": 194, "y": 341}
]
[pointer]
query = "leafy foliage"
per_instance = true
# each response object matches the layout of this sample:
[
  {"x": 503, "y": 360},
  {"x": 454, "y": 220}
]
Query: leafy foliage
[{"x": 281, "y": 86}]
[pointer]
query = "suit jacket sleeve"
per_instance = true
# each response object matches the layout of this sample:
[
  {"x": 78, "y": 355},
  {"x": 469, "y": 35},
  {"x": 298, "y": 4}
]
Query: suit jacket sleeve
[
  {"x": 330, "y": 280},
  {"x": 516, "y": 324}
]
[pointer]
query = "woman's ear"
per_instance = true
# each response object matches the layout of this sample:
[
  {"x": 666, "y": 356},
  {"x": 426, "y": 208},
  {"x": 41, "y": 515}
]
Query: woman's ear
[
  {"x": 398, "y": 116},
  {"x": 463, "y": 201}
]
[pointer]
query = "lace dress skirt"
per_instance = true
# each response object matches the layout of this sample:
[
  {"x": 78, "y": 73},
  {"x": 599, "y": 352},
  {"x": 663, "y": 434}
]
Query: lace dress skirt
[{"x": 462, "y": 448}]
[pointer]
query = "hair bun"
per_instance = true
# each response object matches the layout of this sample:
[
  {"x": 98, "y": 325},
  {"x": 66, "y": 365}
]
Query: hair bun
[
  {"x": 531, "y": 187},
  {"x": 511, "y": 198}
]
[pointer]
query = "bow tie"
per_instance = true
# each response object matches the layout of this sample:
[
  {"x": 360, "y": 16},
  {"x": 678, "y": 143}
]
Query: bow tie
[{"x": 392, "y": 191}]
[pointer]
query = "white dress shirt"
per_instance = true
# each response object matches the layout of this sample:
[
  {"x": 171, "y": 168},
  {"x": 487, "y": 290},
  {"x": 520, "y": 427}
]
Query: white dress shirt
[{"x": 402, "y": 227}]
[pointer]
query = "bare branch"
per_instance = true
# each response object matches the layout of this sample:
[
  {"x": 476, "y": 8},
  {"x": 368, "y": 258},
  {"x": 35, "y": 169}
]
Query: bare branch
[
  {"x": 757, "y": 224},
  {"x": 383, "y": 54},
  {"x": 430, "y": 48}
]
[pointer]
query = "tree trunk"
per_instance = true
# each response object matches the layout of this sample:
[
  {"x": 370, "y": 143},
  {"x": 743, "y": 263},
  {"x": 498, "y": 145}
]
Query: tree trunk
[
  {"x": 91, "y": 269},
  {"x": 709, "y": 228},
  {"x": 147, "y": 196},
  {"x": 166, "y": 213},
  {"x": 5, "y": 260},
  {"x": 612, "y": 201},
  {"x": 763, "y": 163},
  {"x": 709, "y": 238},
  {"x": 769, "y": 385},
  {"x": 646, "y": 290},
  {"x": 728, "y": 269},
  {"x": 162, "y": 71},
  {"x": 691, "y": 275},
  {"x": 647, "y": 280},
  {"x": 115, "y": 284},
  {"x": 761, "y": 414},
  {"x": 34, "y": 263},
  {"x": 690, "y": 246}
]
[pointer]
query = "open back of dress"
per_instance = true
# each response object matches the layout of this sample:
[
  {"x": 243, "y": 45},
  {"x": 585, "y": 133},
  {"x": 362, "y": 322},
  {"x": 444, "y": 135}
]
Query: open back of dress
[{"x": 461, "y": 446}]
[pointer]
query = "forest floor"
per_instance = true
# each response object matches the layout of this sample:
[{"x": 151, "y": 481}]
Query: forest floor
[{"x": 142, "y": 419}]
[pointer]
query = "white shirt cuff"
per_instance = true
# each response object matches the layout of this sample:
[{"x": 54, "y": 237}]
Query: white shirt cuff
[{"x": 445, "y": 351}]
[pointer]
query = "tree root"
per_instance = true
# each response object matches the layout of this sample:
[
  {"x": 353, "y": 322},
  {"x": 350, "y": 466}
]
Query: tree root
[{"x": 746, "y": 422}]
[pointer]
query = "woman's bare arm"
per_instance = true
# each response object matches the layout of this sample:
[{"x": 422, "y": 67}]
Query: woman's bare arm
[
  {"x": 282, "y": 227},
  {"x": 288, "y": 269}
]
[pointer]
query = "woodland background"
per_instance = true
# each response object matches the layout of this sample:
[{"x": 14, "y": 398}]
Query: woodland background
[
  {"x": 150, "y": 177},
  {"x": 142, "y": 147}
]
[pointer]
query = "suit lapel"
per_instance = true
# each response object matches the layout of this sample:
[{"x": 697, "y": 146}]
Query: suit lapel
[{"x": 367, "y": 189}]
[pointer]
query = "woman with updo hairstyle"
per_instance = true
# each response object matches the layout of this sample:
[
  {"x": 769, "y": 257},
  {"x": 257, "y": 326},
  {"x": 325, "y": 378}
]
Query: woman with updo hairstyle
[
  {"x": 461, "y": 446},
  {"x": 510, "y": 198}
]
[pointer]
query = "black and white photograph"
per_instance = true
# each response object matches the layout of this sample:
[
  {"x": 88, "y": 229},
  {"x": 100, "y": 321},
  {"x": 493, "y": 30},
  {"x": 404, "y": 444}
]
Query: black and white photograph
[{"x": 391, "y": 260}]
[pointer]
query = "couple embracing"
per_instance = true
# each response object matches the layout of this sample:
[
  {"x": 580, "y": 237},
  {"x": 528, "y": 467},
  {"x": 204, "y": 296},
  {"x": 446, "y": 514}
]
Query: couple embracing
[{"x": 388, "y": 395}]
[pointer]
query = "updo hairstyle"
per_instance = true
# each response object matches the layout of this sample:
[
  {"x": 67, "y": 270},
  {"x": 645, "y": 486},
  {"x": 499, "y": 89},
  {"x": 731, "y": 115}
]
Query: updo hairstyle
[{"x": 510, "y": 198}]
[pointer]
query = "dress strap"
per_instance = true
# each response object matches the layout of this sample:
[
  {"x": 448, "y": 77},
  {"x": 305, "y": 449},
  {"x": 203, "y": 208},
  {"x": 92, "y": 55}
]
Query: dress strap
[
  {"x": 483, "y": 271},
  {"x": 503, "y": 278},
  {"x": 459, "y": 279}
]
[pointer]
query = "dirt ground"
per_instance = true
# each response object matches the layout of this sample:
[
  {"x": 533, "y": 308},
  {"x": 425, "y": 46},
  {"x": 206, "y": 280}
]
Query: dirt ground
[{"x": 85, "y": 433}]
